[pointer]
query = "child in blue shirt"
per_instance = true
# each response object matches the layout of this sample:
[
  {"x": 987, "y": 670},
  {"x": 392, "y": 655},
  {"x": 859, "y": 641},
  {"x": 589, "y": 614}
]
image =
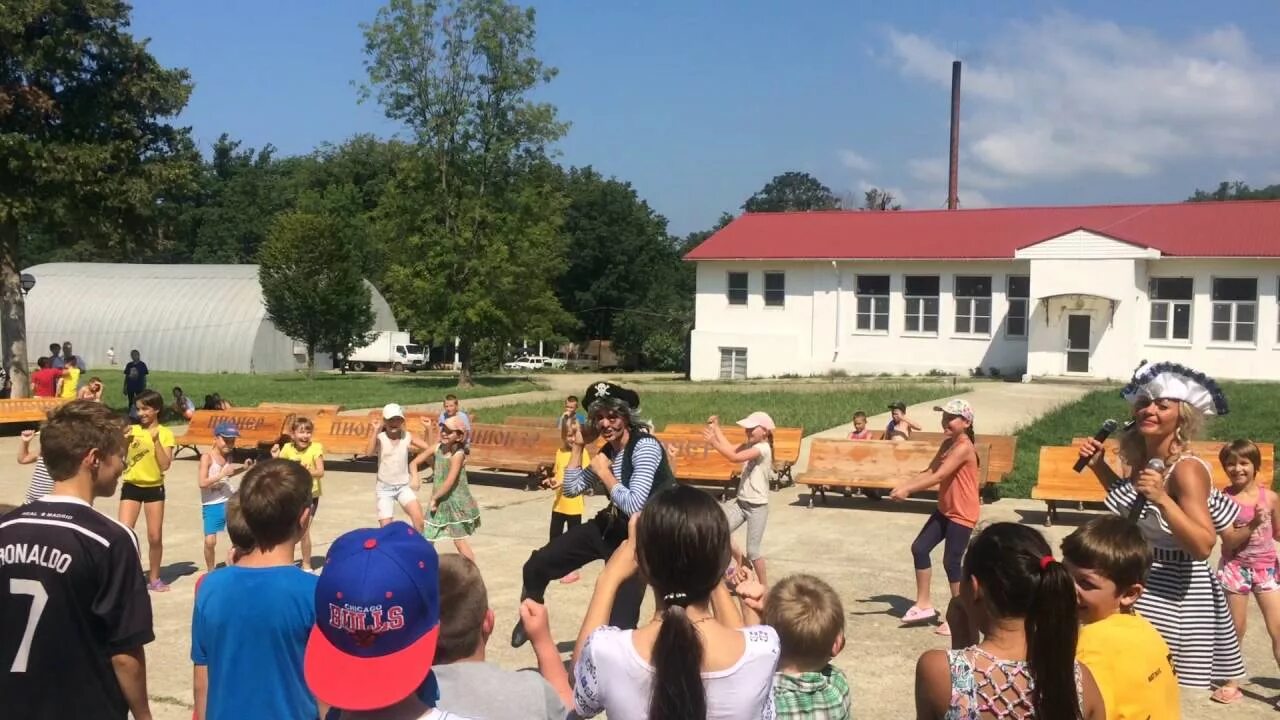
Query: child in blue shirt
[{"x": 250, "y": 624}]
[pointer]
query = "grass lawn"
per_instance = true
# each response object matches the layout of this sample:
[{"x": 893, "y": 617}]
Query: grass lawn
[
  {"x": 813, "y": 411},
  {"x": 356, "y": 390},
  {"x": 1255, "y": 414}
]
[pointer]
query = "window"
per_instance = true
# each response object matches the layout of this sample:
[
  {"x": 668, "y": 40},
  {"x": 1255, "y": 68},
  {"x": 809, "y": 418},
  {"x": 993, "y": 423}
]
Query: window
[
  {"x": 973, "y": 305},
  {"x": 775, "y": 289},
  {"x": 1235, "y": 307},
  {"x": 922, "y": 304},
  {"x": 737, "y": 288},
  {"x": 1018, "y": 293},
  {"x": 733, "y": 363},
  {"x": 873, "y": 303},
  {"x": 1171, "y": 308}
]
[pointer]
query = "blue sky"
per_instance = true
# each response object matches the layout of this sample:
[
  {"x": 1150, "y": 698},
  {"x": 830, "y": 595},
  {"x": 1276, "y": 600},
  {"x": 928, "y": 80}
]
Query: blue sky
[{"x": 699, "y": 103}]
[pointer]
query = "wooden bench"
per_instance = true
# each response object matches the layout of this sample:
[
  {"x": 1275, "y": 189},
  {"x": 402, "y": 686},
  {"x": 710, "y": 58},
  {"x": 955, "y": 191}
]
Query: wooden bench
[
  {"x": 872, "y": 464},
  {"x": 28, "y": 410},
  {"x": 786, "y": 447},
  {"x": 256, "y": 426},
  {"x": 526, "y": 421},
  {"x": 1056, "y": 481},
  {"x": 699, "y": 462},
  {"x": 349, "y": 434},
  {"x": 306, "y": 410},
  {"x": 1003, "y": 451},
  {"x": 528, "y": 450}
]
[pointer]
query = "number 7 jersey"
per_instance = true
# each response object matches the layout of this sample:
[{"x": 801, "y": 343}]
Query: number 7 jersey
[{"x": 72, "y": 594}]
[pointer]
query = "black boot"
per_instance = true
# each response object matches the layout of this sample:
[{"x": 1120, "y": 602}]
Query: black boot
[{"x": 518, "y": 635}]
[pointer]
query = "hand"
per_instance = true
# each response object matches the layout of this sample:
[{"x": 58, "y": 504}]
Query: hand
[
  {"x": 234, "y": 468},
  {"x": 1150, "y": 484},
  {"x": 963, "y": 631},
  {"x": 536, "y": 621},
  {"x": 27, "y": 435},
  {"x": 1093, "y": 450},
  {"x": 900, "y": 492},
  {"x": 155, "y": 432},
  {"x": 752, "y": 594},
  {"x": 622, "y": 564},
  {"x": 431, "y": 509},
  {"x": 602, "y": 466},
  {"x": 415, "y": 482},
  {"x": 1259, "y": 515},
  {"x": 275, "y": 451},
  {"x": 709, "y": 433}
]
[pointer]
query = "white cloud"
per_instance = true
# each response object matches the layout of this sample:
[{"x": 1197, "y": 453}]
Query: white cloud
[
  {"x": 1069, "y": 97},
  {"x": 855, "y": 162}
]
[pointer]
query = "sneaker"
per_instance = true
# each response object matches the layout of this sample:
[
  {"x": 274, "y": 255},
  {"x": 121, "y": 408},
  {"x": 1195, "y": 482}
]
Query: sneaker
[{"x": 518, "y": 635}]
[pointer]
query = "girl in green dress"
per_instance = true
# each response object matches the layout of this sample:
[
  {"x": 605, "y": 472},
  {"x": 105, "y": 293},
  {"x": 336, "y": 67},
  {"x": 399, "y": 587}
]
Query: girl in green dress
[{"x": 452, "y": 513}]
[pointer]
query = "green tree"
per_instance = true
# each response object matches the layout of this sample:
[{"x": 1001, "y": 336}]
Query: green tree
[
  {"x": 1236, "y": 191},
  {"x": 792, "y": 191},
  {"x": 475, "y": 212},
  {"x": 84, "y": 148},
  {"x": 310, "y": 274},
  {"x": 879, "y": 200}
]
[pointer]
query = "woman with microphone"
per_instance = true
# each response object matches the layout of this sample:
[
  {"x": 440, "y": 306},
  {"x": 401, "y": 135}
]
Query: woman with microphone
[{"x": 1170, "y": 494}]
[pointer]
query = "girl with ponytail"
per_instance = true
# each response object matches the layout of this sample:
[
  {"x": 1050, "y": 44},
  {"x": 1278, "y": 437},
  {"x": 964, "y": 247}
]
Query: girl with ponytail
[
  {"x": 693, "y": 661},
  {"x": 1023, "y": 602}
]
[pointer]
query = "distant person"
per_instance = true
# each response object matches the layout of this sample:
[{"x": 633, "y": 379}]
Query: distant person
[
  {"x": 900, "y": 426},
  {"x": 452, "y": 513},
  {"x": 391, "y": 443},
  {"x": 214, "y": 478},
  {"x": 44, "y": 381},
  {"x": 67, "y": 353},
  {"x": 91, "y": 391},
  {"x": 111, "y": 355},
  {"x": 56, "y": 360},
  {"x": 215, "y": 402},
  {"x": 451, "y": 409},
  {"x": 860, "y": 429},
  {"x": 41, "y": 483},
  {"x": 151, "y": 448},
  {"x": 135, "y": 379},
  {"x": 301, "y": 449},
  {"x": 70, "y": 380},
  {"x": 751, "y": 506},
  {"x": 567, "y": 512},
  {"x": 571, "y": 410},
  {"x": 248, "y": 655},
  {"x": 74, "y": 615},
  {"x": 183, "y": 405}
]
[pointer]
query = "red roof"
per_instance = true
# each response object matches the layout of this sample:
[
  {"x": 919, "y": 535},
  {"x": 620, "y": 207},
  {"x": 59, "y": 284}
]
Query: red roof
[{"x": 1200, "y": 229}]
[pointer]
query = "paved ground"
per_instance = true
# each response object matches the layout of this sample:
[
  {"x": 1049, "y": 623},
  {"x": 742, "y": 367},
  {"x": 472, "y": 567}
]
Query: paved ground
[{"x": 859, "y": 546}]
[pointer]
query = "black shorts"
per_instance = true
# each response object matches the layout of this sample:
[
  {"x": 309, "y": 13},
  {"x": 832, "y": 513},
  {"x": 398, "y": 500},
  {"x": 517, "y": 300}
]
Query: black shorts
[{"x": 129, "y": 491}]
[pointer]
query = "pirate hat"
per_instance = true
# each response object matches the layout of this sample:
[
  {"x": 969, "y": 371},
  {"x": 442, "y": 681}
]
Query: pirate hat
[
  {"x": 605, "y": 390},
  {"x": 1172, "y": 381}
]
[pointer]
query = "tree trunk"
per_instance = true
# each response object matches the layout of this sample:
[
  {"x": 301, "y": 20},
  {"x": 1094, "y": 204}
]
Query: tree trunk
[
  {"x": 311, "y": 361},
  {"x": 13, "y": 315},
  {"x": 464, "y": 373}
]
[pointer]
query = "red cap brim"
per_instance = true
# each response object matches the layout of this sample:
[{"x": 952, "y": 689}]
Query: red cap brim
[{"x": 351, "y": 683}]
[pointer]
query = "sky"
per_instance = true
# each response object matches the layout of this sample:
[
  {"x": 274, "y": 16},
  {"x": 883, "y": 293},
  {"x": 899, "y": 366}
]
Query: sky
[{"x": 698, "y": 103}]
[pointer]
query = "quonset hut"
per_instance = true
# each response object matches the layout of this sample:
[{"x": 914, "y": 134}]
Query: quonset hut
[{"x": 186, "y": 318}]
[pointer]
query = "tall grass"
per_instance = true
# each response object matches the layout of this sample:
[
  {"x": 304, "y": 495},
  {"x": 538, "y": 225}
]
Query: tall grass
[{"x": 1254, "y": 414}]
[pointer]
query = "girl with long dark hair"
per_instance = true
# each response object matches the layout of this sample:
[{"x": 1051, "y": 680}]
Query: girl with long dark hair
[
  {"x": 1023, "y": 602},
  {"x": 692, "y": 661}
]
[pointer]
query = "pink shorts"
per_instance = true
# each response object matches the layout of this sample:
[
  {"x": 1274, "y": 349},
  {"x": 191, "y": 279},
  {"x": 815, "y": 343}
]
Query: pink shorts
[{"x": 1244, "y": 579}]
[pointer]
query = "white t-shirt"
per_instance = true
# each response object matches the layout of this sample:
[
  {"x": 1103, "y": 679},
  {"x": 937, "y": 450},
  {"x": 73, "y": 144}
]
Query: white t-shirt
[
  {"x": 218, "y": 492},
  {"x": 612, "y": 677},
  {"x": 757, "y": 475},
  {"x": 393, "y": 461}
]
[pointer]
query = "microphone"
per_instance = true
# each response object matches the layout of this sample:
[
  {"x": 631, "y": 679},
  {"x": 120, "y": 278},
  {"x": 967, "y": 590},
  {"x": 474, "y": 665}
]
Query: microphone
[
  {"x": 1107, "y": 428},
  {"x": 1135, "y": 510}
]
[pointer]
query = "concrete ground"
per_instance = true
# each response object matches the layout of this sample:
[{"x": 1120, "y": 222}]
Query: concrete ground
[{"x": 859, "y": 546}]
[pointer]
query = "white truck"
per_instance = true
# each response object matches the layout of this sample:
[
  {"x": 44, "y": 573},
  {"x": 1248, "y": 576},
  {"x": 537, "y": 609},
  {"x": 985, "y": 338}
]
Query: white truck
[{"x": 389, "y": 350}]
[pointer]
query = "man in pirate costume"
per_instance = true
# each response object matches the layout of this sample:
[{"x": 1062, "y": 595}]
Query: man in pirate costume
[{"x": 632, "y": 465}]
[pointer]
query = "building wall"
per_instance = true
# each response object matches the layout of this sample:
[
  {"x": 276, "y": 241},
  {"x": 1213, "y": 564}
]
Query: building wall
[{"x": 815, "y": 331}]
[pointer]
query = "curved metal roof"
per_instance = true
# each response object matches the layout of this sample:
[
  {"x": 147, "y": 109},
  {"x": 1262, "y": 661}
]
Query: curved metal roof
[{"x": 192, "y": 318}]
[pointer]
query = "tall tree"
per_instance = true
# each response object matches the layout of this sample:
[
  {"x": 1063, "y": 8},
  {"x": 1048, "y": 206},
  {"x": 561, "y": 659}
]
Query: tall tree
[
  {"x": 878, "y": 200},
  {"x": 1236, "y": 191},
  {"x": 84, "y": 149},
  {"x": 477, "y": 212},
  {"x": 309, "y": 268},
  {"x": 792, "y": 191}
]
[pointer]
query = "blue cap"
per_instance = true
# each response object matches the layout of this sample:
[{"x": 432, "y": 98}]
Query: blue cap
[
  {"x": 226, "y": 429},
  {"x": 377, "y": 618}
]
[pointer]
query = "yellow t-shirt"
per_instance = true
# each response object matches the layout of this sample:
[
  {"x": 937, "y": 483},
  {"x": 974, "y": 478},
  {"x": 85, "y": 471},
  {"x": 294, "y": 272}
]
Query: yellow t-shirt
[
  {"x": 306, "y": 458},
  {"x": 1138, "y": 683},
  {"x": 568, "y": 505},
  {"x": 70, "y": 382},
  {"x": 141, "y": 468}
]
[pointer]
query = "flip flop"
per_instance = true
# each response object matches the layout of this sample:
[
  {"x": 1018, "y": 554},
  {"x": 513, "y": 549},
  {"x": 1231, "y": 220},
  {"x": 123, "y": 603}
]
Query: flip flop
[
  {"x": 917, "y": 615},
  {"x": 1226, "y": 696},
  {"x": 944, "y": 630},
  {"x": 157, "y": 586}
]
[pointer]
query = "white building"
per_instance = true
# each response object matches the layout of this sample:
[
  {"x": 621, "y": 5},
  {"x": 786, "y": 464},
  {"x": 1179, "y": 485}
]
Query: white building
[
  {"x": 189, "y": 318},
  {"x": 1057, "y": 291}
]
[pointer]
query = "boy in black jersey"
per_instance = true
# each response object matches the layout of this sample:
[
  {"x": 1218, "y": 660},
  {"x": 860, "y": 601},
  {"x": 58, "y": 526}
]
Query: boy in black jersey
[{"x": 73, "y": 604}]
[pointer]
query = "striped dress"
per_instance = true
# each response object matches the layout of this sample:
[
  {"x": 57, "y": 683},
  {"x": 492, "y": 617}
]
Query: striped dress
[{"x": 1183, "y": 598}]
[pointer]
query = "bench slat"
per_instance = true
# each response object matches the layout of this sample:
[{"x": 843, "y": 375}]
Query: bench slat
[
  {"x": 27, "y": 410},
  {"x": 528, "y": 421},
  {"x": 874, "y": 463},
  {"x": 255, "y": 426}
]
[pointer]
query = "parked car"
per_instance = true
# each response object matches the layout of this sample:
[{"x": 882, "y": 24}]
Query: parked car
[{"x": 526, "y": 362}]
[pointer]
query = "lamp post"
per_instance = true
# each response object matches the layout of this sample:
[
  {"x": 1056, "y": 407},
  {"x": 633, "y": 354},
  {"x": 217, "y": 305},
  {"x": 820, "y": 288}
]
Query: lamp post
[{"x": 28, "y": 282}]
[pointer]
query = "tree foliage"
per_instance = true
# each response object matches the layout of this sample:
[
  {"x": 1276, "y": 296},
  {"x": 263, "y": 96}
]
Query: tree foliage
[
  {"x": 878, "y": 200},
  {"x": 475, "y": 212},
  {"x": 792, "y": 191},
  {"x": 309, "y": 268},
  {"x": 1236, "y": 191},
  {"x": 85, "y": 152}
]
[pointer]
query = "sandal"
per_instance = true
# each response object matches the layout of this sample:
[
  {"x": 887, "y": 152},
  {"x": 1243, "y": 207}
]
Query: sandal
[
  {"x": 157, "y": 586},
  {"x": 1227, "y": 695},
  {"x": 917, "y": 615},
  {"x": 944, "y": 630}
]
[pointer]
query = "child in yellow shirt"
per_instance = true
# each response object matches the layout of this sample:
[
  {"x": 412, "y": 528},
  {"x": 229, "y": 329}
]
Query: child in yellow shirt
[
  {"x": 566, "y": 512},
  {"x": 310, "y": 455},
  {"x": 1108, "y": 559},
  {"x": 142, "y": 490}
]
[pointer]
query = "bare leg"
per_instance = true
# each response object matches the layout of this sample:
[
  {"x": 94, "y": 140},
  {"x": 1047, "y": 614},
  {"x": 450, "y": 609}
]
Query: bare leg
[
  {"x": 414, "y": 510},
  {"x": 306, "y": 549},
  {"x": 129, "y": 510},
  {"x": 1239, "y": 606},
  {"x": 383, "y": 522},
  {"x": 923, "y": 579},
  {"x": 155, "y": 537},
  {"x": 210, "y": 547},
  {"x": 464, "y": 549},
  {"x": 758, "y": 564},
  {"x": 1269, "y": 603}
]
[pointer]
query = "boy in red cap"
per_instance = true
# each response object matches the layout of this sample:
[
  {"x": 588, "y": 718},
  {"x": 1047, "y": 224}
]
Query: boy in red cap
[{"x": 377, "y": 610}]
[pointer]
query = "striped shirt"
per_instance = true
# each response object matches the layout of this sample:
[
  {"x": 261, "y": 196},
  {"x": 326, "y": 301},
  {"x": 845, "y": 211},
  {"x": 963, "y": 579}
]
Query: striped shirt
[
  {"x": 630, "y": 494},
  {"x": 41, "y": 483}
]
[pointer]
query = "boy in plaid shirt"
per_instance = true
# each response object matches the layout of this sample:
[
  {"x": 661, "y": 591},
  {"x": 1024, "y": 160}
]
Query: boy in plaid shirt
[{"x": 809, "y": 619}]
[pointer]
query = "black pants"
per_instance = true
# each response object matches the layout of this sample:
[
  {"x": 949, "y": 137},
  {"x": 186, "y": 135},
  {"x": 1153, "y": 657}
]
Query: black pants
[
  {"x": 560, "y": 522},
  {"x": 595, "y": 539},
  {"x": 938, "y": 528}
]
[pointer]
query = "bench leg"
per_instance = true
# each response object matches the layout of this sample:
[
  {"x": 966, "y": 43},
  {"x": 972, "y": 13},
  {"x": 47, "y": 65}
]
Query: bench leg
[
  {"x": 1051, "y": 513},
  {"x": 811, "y": 494}
]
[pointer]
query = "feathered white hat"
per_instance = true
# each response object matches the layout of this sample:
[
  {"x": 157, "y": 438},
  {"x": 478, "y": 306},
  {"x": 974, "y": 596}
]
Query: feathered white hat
[{"x": 1172, "y": 381}]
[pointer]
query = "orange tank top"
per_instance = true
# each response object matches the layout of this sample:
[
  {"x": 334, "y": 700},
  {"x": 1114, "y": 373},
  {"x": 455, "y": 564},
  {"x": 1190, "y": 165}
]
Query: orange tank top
[{"x": 958, "y": 494}]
